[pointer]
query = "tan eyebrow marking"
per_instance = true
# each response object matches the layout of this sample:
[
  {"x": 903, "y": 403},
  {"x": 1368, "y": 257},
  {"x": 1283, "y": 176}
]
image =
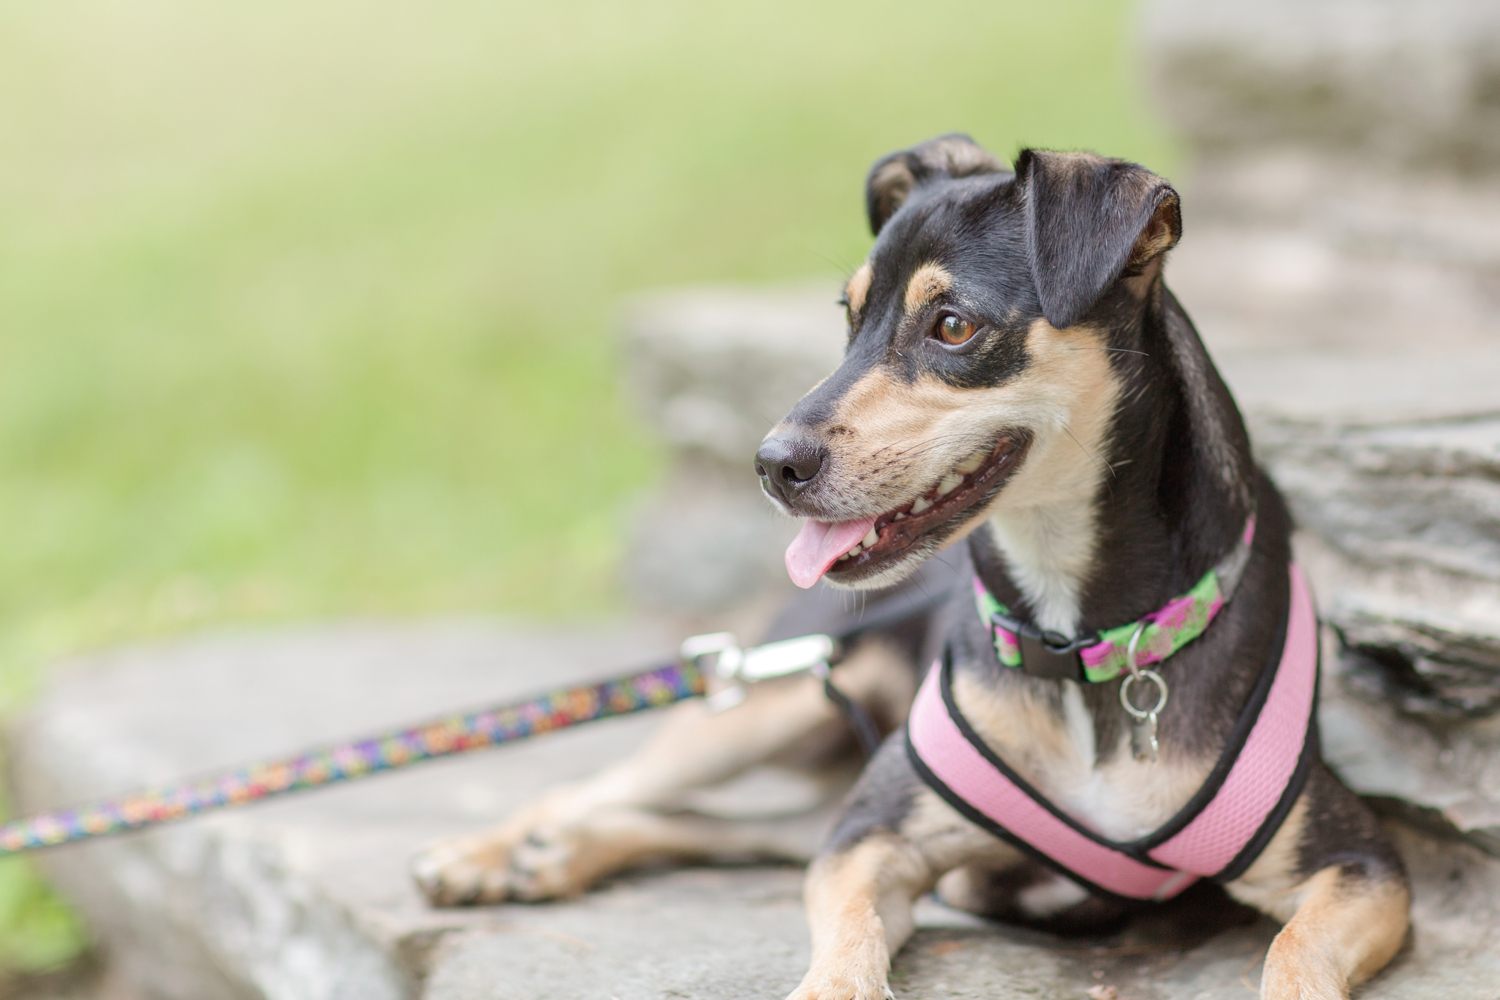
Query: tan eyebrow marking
[
  {"x": 927, "y": 283},
  {"x": 858, "y": 287}
]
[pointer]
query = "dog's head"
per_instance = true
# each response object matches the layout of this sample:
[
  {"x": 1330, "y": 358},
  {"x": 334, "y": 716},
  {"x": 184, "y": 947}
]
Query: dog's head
[{"x": 978, "y": 331}]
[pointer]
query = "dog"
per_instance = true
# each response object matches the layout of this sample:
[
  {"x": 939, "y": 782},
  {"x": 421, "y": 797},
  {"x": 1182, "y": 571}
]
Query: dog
[{"x": 1018, "y": 378}]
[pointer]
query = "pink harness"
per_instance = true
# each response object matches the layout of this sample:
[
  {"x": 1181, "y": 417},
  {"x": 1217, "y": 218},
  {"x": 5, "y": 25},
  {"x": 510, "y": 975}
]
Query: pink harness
[{"x": 1218, "y": 834}]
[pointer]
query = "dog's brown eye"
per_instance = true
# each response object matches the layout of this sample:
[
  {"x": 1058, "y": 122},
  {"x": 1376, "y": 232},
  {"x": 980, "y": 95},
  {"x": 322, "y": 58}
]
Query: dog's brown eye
[{"x": 955, "y": 329}]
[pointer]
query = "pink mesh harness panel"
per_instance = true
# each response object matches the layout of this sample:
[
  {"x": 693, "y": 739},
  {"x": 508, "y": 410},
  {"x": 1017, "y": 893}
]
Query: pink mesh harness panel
[{"x": 1216, "y": 835}]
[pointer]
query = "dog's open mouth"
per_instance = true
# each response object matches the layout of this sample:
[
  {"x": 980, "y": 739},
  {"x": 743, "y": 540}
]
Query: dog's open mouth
[{"x": 851, "y": 550}]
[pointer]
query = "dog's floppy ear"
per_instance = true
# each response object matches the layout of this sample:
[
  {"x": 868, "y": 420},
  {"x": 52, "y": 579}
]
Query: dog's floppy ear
[
  {"x": 1090, "y": 220},
  {"x": 893, "y": 177}
]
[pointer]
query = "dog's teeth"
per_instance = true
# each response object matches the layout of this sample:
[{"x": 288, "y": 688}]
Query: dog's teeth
[
  {"x": 842, "y": 557},
  {"x": 920, "y": 505},
  {"x": 950, "y": 483},
  {"x": 973, "y": 462},
  {"x": 899, "y": 516},
  {"x": 853, "y": 552},
  {"x": 870, "y": 539}
]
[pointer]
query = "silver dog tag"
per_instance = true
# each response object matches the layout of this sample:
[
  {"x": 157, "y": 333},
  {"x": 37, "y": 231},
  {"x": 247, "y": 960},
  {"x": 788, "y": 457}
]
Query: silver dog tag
[
  {"x": 1142, "y": 720},
  {"x": 1143, "y": 737}
]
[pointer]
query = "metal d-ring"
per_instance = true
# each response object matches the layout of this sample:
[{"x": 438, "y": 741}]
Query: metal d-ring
[
  {"x": 1161, "y": 696},
  {"x": 1136, "y": 673}
]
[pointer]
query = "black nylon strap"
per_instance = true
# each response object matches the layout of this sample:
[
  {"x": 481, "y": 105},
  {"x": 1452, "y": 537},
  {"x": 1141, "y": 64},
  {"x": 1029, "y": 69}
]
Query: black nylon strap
[
  {"x": 859, "y": 720},
  {"x": 895, "y": 610}
]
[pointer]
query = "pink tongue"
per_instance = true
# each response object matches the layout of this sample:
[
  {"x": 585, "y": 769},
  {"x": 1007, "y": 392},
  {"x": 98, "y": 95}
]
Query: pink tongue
[{"x": 818, "y": 546}]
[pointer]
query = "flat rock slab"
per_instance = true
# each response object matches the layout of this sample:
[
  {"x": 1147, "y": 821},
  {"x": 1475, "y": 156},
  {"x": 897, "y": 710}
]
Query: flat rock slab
[
  {"x": 726, "y": 935},
  {"x": 307, "y": 898}
]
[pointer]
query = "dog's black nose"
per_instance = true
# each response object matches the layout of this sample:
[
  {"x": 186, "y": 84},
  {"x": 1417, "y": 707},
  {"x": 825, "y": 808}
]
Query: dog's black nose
[{"x": 788, "y": 465}]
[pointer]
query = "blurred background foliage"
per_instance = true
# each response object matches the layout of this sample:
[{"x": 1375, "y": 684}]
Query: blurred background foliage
[{"x": 305, "y": 308}]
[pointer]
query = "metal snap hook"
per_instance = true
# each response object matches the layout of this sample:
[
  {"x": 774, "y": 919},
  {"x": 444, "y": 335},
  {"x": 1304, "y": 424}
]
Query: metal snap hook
[
  {"x": 1135, "y": 637},
  {"x": 1143, "y": 729}
]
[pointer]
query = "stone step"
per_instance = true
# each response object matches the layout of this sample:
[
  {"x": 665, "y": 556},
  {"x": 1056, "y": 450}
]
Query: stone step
[{"x": 306, "y": 898}]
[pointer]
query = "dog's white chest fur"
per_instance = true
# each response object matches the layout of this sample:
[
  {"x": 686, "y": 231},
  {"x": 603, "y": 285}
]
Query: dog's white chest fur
[
  {"x": 1047, "y": 553},
  {"x": 1121, "y": 798}
]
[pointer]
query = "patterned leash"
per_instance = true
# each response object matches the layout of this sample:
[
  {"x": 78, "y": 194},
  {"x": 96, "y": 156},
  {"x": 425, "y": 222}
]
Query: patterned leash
[
  {"x": 718, "y": 653},
  {"x": 360, "y": 758}
]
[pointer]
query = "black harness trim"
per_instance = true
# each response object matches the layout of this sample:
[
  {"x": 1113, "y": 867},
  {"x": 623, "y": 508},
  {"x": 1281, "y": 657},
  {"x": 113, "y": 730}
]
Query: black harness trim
[
  {"x": 1310, "y": 747},
  {"x": 982, "y": 821},
  {"x": 1243, "y": 727}
]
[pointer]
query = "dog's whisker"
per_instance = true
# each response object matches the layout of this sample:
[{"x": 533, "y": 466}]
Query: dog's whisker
[
  {"x": 1116, "y": 350},
  {"x": 917, "y": 444},
  {"x": 922, "y": 447},
  {"x": 833, "y": 262},
  {"x": 1086, "y": 450},
  {"x": 770, "y": 421}
]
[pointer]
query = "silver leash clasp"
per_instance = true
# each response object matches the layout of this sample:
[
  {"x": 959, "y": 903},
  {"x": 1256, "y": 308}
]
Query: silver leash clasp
[
  {"x": 739, "y": 667},
  {"x": 722, "y": 646}
]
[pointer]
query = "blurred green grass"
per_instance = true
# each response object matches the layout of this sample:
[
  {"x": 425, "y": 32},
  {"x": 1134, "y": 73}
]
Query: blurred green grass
[{"x": 305, "y": 307}]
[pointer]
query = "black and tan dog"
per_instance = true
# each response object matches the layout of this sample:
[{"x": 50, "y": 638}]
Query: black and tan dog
[{"x": 1017, "y": 373}]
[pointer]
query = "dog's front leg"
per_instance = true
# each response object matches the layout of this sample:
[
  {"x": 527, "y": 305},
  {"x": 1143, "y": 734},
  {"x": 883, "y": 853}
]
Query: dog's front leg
[
  {"x": 1346, "y": 927},
  {"x": 1333, "y": 877},
  {"x": 577, "y": 834},
  {"x": 859, "y": 908},
  {"x": 897, "y": 838}
]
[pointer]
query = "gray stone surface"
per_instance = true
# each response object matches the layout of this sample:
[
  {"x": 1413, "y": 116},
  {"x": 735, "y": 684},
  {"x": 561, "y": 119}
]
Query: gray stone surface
[
  {"x": 306, "y": 898},
  {"x": 1417, "y": 82},
  {"x": 1400, "y": 536},
  {"x": 1289, "y": 251},
  {"x": 1405, "y": 493},
  {"x": 713, "y": 369},
  {"x": 1444, "y": 779},
  {"x": 1341, "y": 199},
  {"x": 1406, "y": 519},
  {"x": 710, "y": 935}
]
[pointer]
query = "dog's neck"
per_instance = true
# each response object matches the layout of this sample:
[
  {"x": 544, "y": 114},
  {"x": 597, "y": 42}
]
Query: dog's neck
[{"x": 1165, "y": 497}]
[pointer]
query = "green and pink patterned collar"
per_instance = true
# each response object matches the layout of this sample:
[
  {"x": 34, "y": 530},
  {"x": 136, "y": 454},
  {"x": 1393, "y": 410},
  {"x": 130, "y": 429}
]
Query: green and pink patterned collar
[{"x": 1103, "y": 657}]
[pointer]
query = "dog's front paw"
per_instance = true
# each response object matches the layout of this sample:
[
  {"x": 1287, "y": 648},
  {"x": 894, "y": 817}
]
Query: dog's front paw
[
  {"x": 464, "y": 871},
  {"x": 1300, "y": 980},
  {"x": 842, "y": 985},
  {"x": 563, "y": 859},
  {"x": 534, "y": 857}
]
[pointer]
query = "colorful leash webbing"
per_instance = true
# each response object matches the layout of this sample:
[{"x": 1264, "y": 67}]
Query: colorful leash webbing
[{"x": 359, "y": 758}]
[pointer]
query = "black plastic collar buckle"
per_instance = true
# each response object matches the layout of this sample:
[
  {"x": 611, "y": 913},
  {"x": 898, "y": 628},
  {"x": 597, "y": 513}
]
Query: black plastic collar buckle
[{"x": 1046, "y": 654}]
